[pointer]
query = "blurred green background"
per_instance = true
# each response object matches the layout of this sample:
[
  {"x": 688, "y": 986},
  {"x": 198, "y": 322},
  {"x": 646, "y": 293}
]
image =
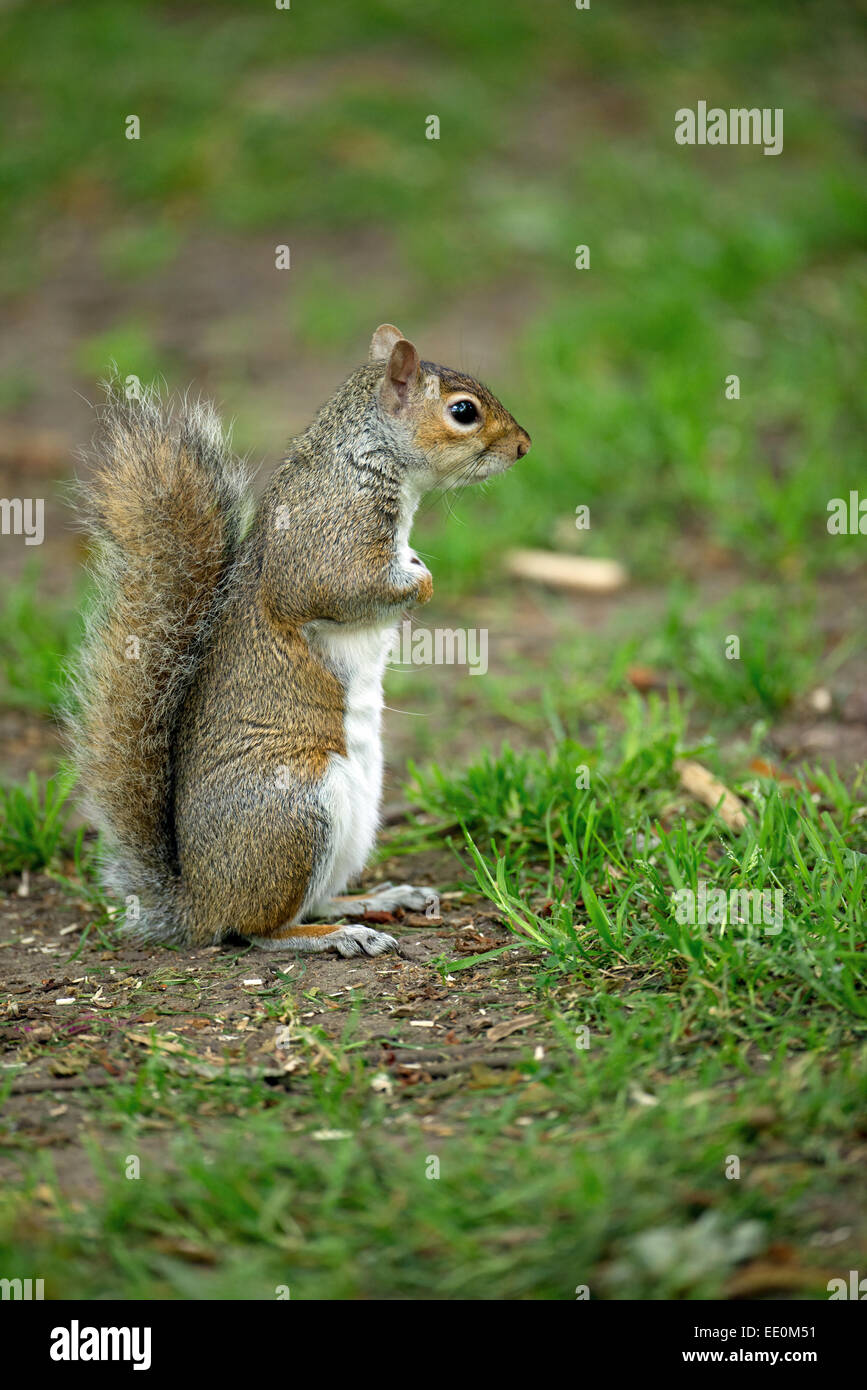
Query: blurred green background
[{"x": 306, "y": 127}]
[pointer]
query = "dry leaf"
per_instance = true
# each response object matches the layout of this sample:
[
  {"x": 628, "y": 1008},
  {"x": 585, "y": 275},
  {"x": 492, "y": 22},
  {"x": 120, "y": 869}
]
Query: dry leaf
[
  {"x": 645, "y": 678},
  {"x": 763, "y": 768},
  {"x": 502, "y": 1030},
  {"x": 66, "y": 1066},
  {"x": 482, "y": 1077},
  {"x": 158, "y": 1043}
]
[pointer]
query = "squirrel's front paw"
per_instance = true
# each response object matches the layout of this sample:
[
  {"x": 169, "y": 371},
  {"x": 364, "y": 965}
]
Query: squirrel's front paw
[
  {"x": 422, "y": 579},
  {"x": 361, "y": 941}
]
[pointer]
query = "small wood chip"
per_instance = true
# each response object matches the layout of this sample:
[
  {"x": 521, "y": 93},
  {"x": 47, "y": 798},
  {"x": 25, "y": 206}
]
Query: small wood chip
[
  {"x": 712, "y": 793},
  {"x": 576, "y": 572},
  {"x": 640, "y": 1096},
  {"x": 820, "y": 700}
]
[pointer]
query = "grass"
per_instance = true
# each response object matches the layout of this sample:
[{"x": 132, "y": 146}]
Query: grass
[
  {"x": 33, "y": 829},
  {"x": 613, "y": 855},
  {"x": 624, "y": 389},
  {"x": 564, "y": 1167},
  {"x": 676, "y": 1050},
  {"x": 125, "y": 349},
  {"x": 37, "y": 635}
]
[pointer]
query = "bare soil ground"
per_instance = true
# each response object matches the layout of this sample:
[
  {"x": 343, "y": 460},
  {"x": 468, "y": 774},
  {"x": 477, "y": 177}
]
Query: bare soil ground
[{"x": 80, "y": 1015}]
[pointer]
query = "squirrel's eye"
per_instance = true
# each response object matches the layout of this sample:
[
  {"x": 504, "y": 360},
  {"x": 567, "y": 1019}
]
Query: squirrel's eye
[{"x": 464, "y": 412}]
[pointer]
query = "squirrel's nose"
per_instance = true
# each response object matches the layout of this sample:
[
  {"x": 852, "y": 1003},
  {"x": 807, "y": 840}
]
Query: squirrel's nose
[{"x": 523, "y": 445}]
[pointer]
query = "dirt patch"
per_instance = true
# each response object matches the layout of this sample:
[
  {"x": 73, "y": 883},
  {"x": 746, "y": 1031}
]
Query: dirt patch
[{"x": 80, "y": 1015}]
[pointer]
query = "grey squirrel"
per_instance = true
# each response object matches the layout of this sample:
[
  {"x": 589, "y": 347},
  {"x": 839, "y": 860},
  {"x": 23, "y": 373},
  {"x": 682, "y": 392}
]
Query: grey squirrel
[{"x": 227, "y": 725}]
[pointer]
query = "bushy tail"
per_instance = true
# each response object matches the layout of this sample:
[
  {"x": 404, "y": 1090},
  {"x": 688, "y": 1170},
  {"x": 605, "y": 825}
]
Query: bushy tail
[{"x": 165, "y": 508}]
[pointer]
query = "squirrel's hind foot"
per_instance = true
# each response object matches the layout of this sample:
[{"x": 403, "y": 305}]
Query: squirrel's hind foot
[
  {"x": 346, "y": 941},
  {"x": 385, "y": 897},
  {"x": 363, "y": 941}
]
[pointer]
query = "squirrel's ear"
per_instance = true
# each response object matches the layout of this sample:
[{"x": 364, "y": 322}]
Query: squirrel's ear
[
  {"x": 401, "y": 374},
  {"x": 383, "y": 341}
]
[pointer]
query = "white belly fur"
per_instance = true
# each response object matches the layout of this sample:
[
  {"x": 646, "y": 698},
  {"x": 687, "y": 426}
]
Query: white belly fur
[{"x": 351, "y": 789}]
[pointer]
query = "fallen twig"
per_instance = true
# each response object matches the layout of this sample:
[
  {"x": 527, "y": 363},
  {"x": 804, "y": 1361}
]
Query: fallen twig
[
  {"x": 576, "y": 572},
  {"x": 712, "y": 793}
]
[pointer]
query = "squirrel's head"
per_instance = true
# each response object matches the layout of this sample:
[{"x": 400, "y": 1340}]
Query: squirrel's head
[{"x": 449, "y": 424}]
